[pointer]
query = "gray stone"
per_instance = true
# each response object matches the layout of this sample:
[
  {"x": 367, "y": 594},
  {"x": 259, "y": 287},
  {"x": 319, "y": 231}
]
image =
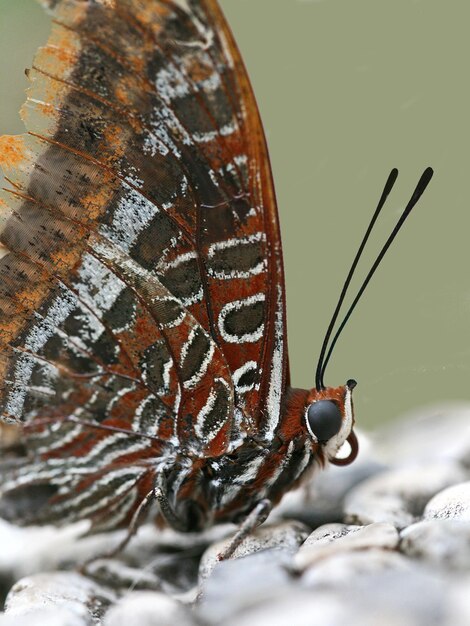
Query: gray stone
[
  {"x": 153, "y": 559},
  {"x": 117, "y": 575},
  {"x": 25, "y": 551},
  {"x": 399, "y": 496},
  {"x": 172, "y": 572},
  {"x": 151, "y": 540},
  {"x": 239, "y": 583},
  {"x": 170, "y": 557},
  {"x": 327, "y": 533},
  {"x": 391, "y": 598},
  {"x": 459, "y": 601},
  {"x": 338, "y": 570},
  {"x": 44, "y": 617},
  {"x": 451, "y": 503},
  {"x": 442, "y": 542},
  {"x": 68, "y": 592},
  {"x": 326, "y": 542},
  {"x": 293, "y": 606},
  {"x": 146, "y": 608},
  {"x": 285, "y": 536}
]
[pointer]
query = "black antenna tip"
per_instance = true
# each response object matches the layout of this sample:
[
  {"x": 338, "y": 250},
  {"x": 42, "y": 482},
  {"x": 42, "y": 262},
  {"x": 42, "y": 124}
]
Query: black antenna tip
[
  {"x": 427, "y": 174},
  {"x": 421, "y": 186},
  {"x": 392, "y": 177}
]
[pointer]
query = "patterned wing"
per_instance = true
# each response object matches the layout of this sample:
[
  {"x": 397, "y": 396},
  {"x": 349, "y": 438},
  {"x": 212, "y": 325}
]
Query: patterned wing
[{"x": 141, "y": 274}]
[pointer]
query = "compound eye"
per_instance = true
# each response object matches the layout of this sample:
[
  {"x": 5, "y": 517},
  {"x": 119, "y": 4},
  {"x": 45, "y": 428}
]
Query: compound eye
[{"x": 324, "y": 419}]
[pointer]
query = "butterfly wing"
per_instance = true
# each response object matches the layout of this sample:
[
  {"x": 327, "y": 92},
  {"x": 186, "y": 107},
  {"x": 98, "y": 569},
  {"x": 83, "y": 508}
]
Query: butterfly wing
[{"x": 141, "y": 277}]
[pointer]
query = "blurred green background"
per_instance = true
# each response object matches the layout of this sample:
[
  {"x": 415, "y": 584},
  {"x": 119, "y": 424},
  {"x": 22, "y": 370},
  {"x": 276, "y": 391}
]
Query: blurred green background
[{"x": 348, "y": 90}]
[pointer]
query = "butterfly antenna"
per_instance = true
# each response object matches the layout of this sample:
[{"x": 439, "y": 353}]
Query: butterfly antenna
[
  {"x": 387, "y": 189},
  {"x": 418, "y": 192}
]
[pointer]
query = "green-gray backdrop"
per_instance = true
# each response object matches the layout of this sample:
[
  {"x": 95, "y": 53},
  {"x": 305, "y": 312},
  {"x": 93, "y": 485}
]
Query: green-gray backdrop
[{"x": 349, "y": 89}]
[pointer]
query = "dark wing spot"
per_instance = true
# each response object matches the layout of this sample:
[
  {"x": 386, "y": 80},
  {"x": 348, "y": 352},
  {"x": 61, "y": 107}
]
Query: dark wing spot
[
  {"x": 183, "y": 280},
  {"x": 244, "y": 257},
  {"x": 167, "y": 312},
  {"x": 154, "y": 239},
  {"x": 195, "y": 355},
  {"x": 121, "y": 314},
  {"x": 245, "y": 320},
  {"x": 247, "y": 380},
  {"x": 216, "y": 417},
  {"x": 153, "y": 363}
]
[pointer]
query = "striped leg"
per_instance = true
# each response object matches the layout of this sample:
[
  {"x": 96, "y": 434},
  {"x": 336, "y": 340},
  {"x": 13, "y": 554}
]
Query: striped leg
[
  {"x": 167, "y": 512},
  {"x": 254, "y": 519},
  {"x": 135, "y": 522}
]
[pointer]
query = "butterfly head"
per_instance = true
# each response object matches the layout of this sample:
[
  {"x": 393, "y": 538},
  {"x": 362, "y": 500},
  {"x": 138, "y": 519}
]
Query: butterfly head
[
  {"x": 329, "y": 420},
  {"x": 328, "y": 413}
]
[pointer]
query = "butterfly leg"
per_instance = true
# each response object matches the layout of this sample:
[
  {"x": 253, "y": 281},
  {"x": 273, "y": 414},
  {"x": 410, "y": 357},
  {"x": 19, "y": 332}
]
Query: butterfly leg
[
  {"x": 188, "y": 516},
  {"x": 134, "y": 524},
  {"x": 167, "y": 512},
  {"x": 254, "y": 519}
]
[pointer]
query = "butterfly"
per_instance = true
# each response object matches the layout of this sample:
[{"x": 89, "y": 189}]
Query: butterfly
[{"x": 142, "y": 309}]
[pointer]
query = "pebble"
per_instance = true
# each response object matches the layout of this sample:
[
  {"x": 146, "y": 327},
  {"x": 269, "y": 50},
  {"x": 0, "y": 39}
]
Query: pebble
[
  {"x": 328, "y": 533},
  {"x": 293, "y": 606},
  {"x": 388, "y": 598},
  {"x": 451, "y": 503},
  {"x": 115, "y": 574},
  {"x": 157, "y": 557},
  {"x": 145, "y": 608},
  {"x": 399, "y": 496},
  {"x": 326, "y": 542},
  {"x": 285, "y": 536},
  {"x": 170, "y": 559},
  {"x": 238, "y": 583},
  {"x": 25, "y": 551},
  {"x": 44, "y": 617},
  {"x": 459, "y": 601},
  {"x": 338, "y": 570},
  {"x": 441, "y": 542},
  {"x": 73, "y": 594}
]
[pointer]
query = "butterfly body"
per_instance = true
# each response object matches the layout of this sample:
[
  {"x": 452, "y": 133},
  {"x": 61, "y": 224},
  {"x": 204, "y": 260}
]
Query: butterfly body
[{"x": 205, "y": 491}]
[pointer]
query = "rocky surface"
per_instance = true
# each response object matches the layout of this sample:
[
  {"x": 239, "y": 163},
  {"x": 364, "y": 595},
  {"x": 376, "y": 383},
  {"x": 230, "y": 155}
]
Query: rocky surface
[{"x": 386, "y": 540}]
